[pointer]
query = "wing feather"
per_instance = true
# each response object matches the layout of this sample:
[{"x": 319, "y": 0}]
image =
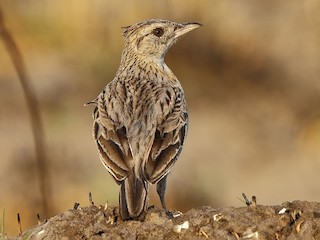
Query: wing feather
[
  {"x": 111, "y": 139},
  {"x": 169, "y": 139}
]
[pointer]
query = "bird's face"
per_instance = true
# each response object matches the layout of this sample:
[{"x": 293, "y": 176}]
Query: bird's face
[{"x": 153, "y": 38}]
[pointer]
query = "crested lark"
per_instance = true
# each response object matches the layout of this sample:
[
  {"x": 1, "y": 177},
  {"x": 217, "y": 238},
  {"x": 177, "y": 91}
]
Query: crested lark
[{"x": 140, "y": 118}]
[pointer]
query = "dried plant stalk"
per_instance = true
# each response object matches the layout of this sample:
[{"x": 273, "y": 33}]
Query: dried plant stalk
[{"x": 33, "y": 108}]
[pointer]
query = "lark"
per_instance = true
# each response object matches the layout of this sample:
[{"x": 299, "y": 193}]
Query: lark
[{"x": 140, "y": 117}]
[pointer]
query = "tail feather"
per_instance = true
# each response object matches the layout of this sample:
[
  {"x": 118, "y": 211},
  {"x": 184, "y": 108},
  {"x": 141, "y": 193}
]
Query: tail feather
[{"x": 133, "y": 200}]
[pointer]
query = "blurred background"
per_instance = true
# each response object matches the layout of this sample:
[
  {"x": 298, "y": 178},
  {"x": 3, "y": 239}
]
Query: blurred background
[{"x": 251, "y": 79}]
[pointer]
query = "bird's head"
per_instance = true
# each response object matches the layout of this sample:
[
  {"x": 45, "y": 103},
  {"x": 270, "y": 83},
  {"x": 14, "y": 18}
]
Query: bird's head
[{"x": 152, "y": 38}]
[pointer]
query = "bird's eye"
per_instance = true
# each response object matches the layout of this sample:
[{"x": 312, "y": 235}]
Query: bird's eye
[{"x": 158, "y": 32}]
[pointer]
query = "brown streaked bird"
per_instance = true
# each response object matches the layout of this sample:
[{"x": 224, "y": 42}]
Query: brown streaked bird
[{"x": 141, "y": 118}]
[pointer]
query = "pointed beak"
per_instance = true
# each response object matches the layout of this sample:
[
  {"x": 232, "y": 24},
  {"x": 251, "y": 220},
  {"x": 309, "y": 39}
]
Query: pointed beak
[{"x": 183, "y": 28}]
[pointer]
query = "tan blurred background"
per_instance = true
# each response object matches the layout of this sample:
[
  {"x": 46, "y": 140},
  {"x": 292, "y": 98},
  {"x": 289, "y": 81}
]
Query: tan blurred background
[{"x": 251, "y": 77}]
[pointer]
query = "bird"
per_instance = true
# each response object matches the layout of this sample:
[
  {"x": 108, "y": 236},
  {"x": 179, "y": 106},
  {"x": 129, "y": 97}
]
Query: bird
[{"x": 140, "y": 119}]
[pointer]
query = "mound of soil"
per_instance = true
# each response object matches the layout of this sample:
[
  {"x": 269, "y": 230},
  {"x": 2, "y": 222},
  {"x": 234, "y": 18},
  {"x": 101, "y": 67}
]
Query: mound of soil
[{"x": 290, "y": 220}]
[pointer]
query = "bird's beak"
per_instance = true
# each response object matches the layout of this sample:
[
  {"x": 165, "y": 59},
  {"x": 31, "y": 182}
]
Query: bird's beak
[{"x": 183, "y": 28}]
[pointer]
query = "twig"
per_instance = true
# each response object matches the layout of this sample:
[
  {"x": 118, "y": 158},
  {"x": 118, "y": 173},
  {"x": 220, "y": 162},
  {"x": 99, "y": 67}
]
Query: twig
[
  {"x": 38, "y": 218},
  {"x": 246, "y": 199},
  {"x": 19, "y": 224},
  {"x": 76, "y": 206},
  {"x": 33, "y": 107},
  {"x": 253, "y": 202},
  {"x": 2, "y": 230},
  {"x": 90, "y": 199}
]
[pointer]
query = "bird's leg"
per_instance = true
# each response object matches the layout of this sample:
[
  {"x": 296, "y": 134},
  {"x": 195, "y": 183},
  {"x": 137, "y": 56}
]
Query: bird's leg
[{"x": 161, "y": 190}]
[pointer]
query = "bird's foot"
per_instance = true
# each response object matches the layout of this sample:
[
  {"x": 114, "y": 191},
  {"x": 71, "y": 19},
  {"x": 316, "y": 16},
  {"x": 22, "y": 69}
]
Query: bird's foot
[{"x": 174, "y": 214}]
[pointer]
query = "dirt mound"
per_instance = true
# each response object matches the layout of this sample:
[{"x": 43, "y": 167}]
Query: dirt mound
[{"x": 290, "y": 220}]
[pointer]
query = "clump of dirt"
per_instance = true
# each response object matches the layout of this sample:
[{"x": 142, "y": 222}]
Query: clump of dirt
[{"x": 290, "y": 220}]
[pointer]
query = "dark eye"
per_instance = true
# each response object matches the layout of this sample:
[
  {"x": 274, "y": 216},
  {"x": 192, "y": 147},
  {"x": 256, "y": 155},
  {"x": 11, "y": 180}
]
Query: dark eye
[{"x": 157, "y": 32}]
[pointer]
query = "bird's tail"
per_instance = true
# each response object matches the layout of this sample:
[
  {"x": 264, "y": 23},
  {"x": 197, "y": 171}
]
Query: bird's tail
[{"x": 133, "y": 199}]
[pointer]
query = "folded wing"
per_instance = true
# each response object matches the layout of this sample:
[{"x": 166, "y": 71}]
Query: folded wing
[{"x": 169, "y": 136}]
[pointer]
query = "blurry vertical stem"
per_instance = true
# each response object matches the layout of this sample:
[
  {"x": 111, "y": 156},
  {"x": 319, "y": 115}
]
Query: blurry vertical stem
[
  {"x": 33, "y": 107},
  {"x": 2, "y": 233}
]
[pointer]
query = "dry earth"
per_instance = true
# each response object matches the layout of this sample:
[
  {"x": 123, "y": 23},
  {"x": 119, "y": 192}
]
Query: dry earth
[{"x": 290, "y": 220}]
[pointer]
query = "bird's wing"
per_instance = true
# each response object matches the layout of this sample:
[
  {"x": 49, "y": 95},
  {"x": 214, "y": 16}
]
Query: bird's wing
[
  {"x": 169, "y": 136},
  {"x": 110, "y": 135}
]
